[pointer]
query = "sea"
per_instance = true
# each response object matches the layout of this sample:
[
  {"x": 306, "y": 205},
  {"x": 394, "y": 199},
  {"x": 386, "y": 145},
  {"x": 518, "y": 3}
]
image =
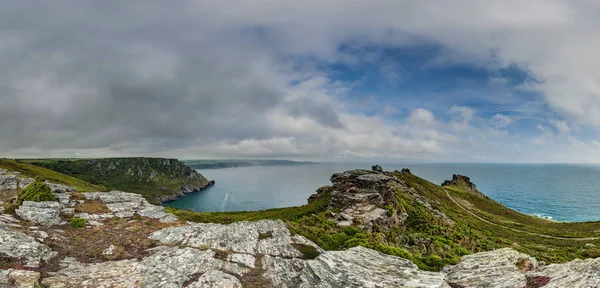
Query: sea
[{"x": 561, "y": 192}]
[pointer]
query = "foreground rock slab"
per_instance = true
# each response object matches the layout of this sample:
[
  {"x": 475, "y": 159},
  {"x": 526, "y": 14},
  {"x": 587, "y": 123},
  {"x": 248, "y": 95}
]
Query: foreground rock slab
[
  {"x": 18, "y": 246},
  {"x": 124, "y": 204},
  {"x": 45, "y": 213},
  {"x": 498, "y": 268},
  {"x": 18, "y": 278}
]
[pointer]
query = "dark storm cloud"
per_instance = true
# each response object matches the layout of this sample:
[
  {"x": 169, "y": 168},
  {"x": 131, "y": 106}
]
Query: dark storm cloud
[{"x": 78, "y": 74}]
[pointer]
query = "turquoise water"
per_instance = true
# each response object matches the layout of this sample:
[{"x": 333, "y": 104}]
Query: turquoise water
[{"x": 560, "y": 192}]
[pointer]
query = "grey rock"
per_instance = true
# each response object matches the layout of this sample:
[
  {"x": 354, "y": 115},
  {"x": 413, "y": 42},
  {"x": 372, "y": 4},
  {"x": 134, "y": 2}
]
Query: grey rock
[
  {"x": 362, "y": 267},
  {"x": 25, "y": 248},
  {"x": 166, "y": 267},
  {"x": 577, "y": 273},
  {"x": 8, "y": 182},
  {"x": 124, "y": 204},
  {"x": 109, "y": 251},
  {"x": 216, "y": 279},
  {"x": 18, "y": 278},
  {"x": 59, "y": 188},
  {"x": 44, "y": 213},
  {"x": 9, "y": 220},
  {"x": 245, "y": 259},
  {"x": 24, "y": 182},
  {"x": 239, "y": 237},
  {"x": 499, "y": 268}
]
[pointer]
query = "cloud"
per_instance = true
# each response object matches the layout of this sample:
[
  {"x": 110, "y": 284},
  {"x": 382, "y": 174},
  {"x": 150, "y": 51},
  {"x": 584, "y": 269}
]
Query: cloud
[
  {"x": 561, "y": 126},
  {"x": 500, "y": 121},
  {"x": 201, "y": 78},
  {"x": 421, "y": 117}
]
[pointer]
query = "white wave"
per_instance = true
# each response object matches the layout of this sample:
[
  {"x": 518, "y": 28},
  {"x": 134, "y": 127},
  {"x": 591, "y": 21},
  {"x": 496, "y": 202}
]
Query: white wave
[{"x": 224, "y": 202}]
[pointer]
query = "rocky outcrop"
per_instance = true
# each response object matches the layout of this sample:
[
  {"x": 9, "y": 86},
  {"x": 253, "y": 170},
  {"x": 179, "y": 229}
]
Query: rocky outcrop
[
  {"x": 212, "y": 255},
  {"x": 19, "y": 246},
  {"x": 18, "y": 278},
  {"x": 461, "y": 181},
  {"x": 366, "y": 198},
  {"x": 123, "y": 204},
  {"x": 499, "y": 268},
  {"x": 45, "y": 213}
]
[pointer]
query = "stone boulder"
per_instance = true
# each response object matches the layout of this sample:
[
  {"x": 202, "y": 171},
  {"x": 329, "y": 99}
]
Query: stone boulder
[
  {"x": 124, "y": 204},
  {"x": 16, "y": 245},
  {"x": 44, "y": 213},
  {"x": 503, "y": 268},
  {"x": 461, "y": 181},
  {"x": 19, "y": 278}
]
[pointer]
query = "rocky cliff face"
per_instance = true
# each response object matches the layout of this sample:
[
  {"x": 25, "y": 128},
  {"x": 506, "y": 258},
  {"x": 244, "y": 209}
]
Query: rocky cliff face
[{"x": 157, "y": 179}]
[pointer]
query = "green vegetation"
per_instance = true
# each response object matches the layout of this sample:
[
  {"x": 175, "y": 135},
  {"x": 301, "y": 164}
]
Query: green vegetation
[
  {"x": 32, "y": 171},
  {"x": 156, "y": 179},
  {"x": 424, "y": 238},
  {"x": 231, "y": 163},
  {"x": 474, "y": 222},
  {"x": 78, "y": 222},
  {"x": 37, "y": 191},
  {"x": 308, "y": 251}
]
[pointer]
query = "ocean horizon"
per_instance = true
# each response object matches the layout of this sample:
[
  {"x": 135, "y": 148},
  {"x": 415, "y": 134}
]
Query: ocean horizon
[{"x": 561, "y": 192}]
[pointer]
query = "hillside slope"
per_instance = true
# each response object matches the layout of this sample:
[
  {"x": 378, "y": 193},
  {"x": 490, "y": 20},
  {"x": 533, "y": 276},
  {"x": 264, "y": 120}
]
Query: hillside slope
[
  {"x": 32, "y": 171},
  {"x": 156, "y": 179},
  {"x": 401, "y": 214}
]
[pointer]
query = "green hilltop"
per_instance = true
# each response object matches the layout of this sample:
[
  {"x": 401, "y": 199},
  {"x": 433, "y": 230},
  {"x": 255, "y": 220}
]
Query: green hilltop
[{"x": 157, "y": 179}]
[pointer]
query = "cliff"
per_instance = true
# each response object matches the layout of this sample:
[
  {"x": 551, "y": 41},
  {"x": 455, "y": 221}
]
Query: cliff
[
  {"x": 368, "y": 229},
  {"x": 157, "y": 179}
]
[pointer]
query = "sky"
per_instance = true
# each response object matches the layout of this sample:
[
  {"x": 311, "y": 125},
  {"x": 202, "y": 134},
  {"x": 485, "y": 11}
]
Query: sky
[{"x": 328, "y": 80}]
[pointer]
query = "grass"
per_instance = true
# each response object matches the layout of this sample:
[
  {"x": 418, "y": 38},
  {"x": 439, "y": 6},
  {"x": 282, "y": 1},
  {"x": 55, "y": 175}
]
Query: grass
[
  {"x": 427, "y": 240},
  {"x": 78, "y": 222},
  {"x": 156, "y": 179},
  {"x": 92, "y": 207},
  {"x": 288, "y": 213},
  {"x": 32, "y": 171}
]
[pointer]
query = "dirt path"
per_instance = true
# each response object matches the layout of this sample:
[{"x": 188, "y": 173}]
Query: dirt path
[{"x": 514, "y": 229}]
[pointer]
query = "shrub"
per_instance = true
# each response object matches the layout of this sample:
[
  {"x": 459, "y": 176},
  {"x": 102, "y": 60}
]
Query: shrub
[
  {"x": 10, "y": 209},
  {"x": 37, "y": 191},
  {"x": 78, "y": 222},
  {"x": 308, "y": 251}
]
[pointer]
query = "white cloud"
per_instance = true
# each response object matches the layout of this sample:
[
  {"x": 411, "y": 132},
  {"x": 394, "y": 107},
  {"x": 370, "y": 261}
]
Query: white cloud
[
  {"x": 230, "y": 87},
  {"x": 500, "y": 121},
  {"x": 421, "y": 117},
  {"x": 561, "y": 126}
]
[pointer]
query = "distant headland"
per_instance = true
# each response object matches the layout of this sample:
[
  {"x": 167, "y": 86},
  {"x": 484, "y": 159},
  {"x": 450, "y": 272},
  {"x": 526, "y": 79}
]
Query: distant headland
[{"x": 232, "y": 163}]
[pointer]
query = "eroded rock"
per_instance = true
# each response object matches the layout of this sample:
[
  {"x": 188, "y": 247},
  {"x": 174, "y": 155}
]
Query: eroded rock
[
  {"x": 239, "y": 237},
  {"x": 124, "y": 204},
  {"x": 19, "y": 278},
  {"x": 44, "y": 213},
  {"x": 17, "y": 245},
  {"x": 499, "y": 268}
]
